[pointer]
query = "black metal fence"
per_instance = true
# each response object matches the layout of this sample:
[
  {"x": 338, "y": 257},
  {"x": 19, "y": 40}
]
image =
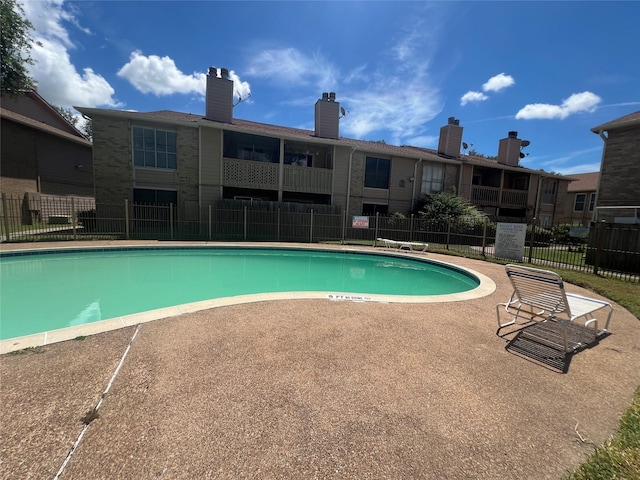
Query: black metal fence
[{"x": 605, "y": 248}]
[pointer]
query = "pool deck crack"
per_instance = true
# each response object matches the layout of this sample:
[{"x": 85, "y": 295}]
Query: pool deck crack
[{"x": 98, "y": 405}]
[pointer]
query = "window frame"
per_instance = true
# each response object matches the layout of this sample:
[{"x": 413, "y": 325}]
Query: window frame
[
  {"x": 145, "y": 153},
  {"x": 378, "y": 181},
  {"x": 578, "y": 206},
  {"x": 427, "y": 178},
  {"x": 592, "y": 201}
]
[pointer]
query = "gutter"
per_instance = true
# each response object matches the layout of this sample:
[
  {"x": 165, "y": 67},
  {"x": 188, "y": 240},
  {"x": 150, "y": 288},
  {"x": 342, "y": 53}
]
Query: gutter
[{"x": 415, "y": 178}]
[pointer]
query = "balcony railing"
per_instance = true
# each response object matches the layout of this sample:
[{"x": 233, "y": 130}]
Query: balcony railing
[
  {"x": 514, "y": 198},
  {"x": 485, "y": 195},
  {"x": 492, "y": 196},
  {"x": 266, "y": 176},
  {"x": 307, "y": 179}
]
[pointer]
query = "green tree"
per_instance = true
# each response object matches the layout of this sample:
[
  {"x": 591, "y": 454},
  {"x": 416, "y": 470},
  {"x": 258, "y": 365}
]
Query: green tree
[
  {"x": 475, "y": 153},
  {"x": 72, "y": 118},
  {"x": 15, "y": 46},
  {"x": 443, "y": 206}
]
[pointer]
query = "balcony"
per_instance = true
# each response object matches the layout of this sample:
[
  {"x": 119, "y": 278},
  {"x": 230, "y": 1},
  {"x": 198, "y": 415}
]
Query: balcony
[
  {"x": 266, "y": 176},
  {"x": 495, "y": 197}
]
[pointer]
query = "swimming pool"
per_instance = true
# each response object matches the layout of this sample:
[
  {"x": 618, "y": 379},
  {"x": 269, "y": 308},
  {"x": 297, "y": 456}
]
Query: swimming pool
[{"x": 54, "y": 289}]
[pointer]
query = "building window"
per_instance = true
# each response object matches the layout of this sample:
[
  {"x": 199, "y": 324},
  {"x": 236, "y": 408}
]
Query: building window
[
  {"x": 154, "y": 148},
  {"x": 154, "y": 197},
  {"x": 371, "y": 209},
  {"x": 432, "y": 179},
  {"x": 548, "y": 191},
  {"x": 376, "y": 173},
  {"x": 579, "y": 203},
  {"x": 592, "y": 202}
]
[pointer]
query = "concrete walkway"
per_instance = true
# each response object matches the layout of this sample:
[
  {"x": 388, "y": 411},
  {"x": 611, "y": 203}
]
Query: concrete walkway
[{"x": 314, "y": 389}]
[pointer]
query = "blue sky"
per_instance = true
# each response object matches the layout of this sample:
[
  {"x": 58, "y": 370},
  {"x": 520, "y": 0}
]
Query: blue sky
[{"x": 549, "y": 70}]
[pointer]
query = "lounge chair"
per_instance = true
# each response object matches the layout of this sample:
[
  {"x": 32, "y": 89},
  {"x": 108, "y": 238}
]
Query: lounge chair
[
  {"x": 412, "y": 246},
  {"x": 539, "y": 295}
]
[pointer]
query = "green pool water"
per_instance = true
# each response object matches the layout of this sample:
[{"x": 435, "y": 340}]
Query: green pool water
[{"x": 46, "y": 291}]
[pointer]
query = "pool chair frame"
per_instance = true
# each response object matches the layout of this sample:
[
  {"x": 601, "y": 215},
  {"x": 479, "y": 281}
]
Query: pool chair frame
[
  {"x": 411, "y": 246},
  {"x": 539, "y": 296}
]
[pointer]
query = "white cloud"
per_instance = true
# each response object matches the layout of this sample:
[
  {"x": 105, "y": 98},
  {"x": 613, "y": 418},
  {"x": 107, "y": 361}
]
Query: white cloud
[
  {"x": 58, "y": 80},
  {"x": 498, "y": 82},
  {"x": 160, "y": 76},
  {"x": 396, "y": 96},
  {"x": 289, "y": 66},
  {"x": 494, "y": 84},
  {"x": 576, "y": 103},
  {"x": 472, "y": 96}
]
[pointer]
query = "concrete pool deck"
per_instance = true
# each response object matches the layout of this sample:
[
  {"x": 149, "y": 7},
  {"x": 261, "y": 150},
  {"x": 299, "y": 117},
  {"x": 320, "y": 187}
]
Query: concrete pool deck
[{"x": 313, "y": 388}]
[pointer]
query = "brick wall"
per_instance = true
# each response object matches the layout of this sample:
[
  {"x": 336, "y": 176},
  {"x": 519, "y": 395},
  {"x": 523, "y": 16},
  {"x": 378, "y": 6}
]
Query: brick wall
[
  {"x": 112, "y": 165},
  {"x": 620, "y": 175}
]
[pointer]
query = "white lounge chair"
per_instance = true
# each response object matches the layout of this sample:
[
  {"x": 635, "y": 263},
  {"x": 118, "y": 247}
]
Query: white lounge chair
[
  {"x": 539, "y": 295},
  {"x": 412, "y": 246}
]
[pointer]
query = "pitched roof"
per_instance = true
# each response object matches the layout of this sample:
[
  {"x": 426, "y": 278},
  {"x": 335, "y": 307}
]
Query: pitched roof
[
  {"x": 584, "y": 182},
  {"x": 626, "y": 121},
  {"x": 406, "y": 151},
  {"x": 17, "y": 118}
]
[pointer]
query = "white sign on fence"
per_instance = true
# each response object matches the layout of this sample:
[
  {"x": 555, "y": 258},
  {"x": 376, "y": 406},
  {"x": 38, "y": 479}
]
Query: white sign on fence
[
  {"x": 360, "y": 222},
  {"x": 510, "y": 238}
]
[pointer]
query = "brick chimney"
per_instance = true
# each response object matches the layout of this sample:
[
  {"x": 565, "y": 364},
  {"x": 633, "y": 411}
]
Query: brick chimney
[
  {"x": 219, "y": 101},
  {"x": 450, "y": 138},
  {"x": 509, "y": 150},
  {"x": 327, "y": 118}
]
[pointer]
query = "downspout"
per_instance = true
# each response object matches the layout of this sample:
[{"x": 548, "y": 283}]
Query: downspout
[
  {"x": 538, "y": 195},
  {"x": 353, "y": 149},
  {"x": 415, "y": 179},
  {"x": 594, "y": 214}
]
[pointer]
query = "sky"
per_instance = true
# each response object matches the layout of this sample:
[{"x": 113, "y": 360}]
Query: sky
[{"x": 549, "y": 70}]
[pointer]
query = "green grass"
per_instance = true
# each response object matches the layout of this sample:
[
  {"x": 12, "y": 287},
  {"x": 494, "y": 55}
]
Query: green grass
[
  {"x": 556, "y": 255},
  {"x": 619, "y": 457}
]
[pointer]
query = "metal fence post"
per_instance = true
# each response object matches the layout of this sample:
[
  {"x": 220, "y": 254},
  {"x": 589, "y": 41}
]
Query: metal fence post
[
  {"x": 411, "y": 228},
  {"x": 599, "y": 247},
  {"x": 448, "y": 231},
  {"x": 344, "y": 225},
  {"x": 484, "y": 236},
  {"x": 126, "y": 219},
  {"x": 244, "y": 221},
  {"x": 377, "y": 228},
  {"x": 74, "y": 223},
  {"x": 209, "y": 222},
  {"x": 171, "y": 221},
  {"x": 5, "y": 217},
  {"x": 311, "y": 227},
  {"x": 278, "y": 233},
  {"x": 533, "y": 240}
]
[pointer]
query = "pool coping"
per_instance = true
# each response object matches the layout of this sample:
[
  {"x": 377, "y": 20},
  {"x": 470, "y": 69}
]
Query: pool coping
[{"x": 485, "y": 288}]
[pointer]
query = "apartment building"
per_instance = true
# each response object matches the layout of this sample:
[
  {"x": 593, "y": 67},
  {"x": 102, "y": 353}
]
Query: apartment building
[
  {"x": 193, "y": 161},
  {"x": 618, "y": 193},
  {"x": 42, "y": 153}
]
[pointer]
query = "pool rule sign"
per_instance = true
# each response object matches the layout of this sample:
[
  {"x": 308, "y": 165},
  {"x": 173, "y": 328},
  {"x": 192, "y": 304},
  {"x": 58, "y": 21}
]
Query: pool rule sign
[{"x": 510, "y": 239}]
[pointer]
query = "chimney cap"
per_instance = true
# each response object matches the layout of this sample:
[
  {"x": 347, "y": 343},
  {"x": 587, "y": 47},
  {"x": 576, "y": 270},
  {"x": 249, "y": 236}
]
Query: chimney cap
[
  {"x": 213, "y": 71},
  {"x": 325, "y": 96},
  {"x": 332, "y": 96},
  {"x": 224, "y": 73},
  {"x": 513, "y": 134},
  {"x": 453, "y": 121}
]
